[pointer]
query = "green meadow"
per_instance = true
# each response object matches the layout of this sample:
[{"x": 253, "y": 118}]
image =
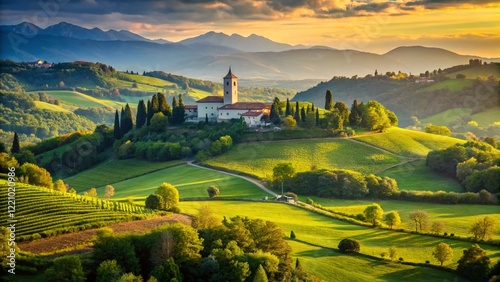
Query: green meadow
[
  {"x": 451, "y": 84},
  {"x": 77, "y": 98},
  {"x": 456, "y": 219},
  {"x": 417, "y": 176},
  {"x": 258, "y": 159},
  {"x": 190, "y": 181},
  {"x": 51, "y": 107},
  {"x": 409, "y": 143},
  {"x": 329, "y": 265},
  {"x": 446, "y": 117},
  {"x": 483, "y": 71},
  {"x": 327, "y": 232},
  {"x": 113, "y": 171},
  {"x": 487, "y": 117}
]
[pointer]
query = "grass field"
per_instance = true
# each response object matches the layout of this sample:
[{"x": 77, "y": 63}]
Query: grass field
[
  {"x": 409, "y": 143},
  {"x": 483, "y": 71},
  {"x": 258, "y": 159},
  {"x": 333, "y": 266},
  {"x": 457, "y": 219},
  {"x": 444, "y": 118},
  {"x": 452, "y": 84},
  {"x": 418, "y": 177},
  {"x": 190, "y": 181},
  {"x": 113, "y": 171},
  {"x": 78, "y": 99},
  {"x": 51, "y": 107},
  {"x": 327, "y": 232}
]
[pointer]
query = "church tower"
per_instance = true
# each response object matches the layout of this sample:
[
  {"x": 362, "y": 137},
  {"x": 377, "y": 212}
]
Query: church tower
[{"x": 230, "y": 88}]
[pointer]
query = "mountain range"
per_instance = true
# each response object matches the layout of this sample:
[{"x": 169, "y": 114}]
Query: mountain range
[{"x": 208, "y": 56}]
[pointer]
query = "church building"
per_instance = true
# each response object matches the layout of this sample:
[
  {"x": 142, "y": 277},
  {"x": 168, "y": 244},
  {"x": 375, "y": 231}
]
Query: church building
[{"x": 227, "y": 107}]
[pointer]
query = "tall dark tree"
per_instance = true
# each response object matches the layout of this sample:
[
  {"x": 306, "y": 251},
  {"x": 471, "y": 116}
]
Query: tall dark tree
[
  {"x": 141, "y": 117},
  {"x": 3, "y": 148},
  {"x": 317, "y": 117},
  {"x": 297, "y": 112},
  {"x": 116, "y": 130},
  {"x": 287, "y": 109},
  {"x": 274, "y": 115},
  {"x": 16, "y": 147},
  {"x": 174, "y": 103},
  {"x": 150, "y": 113},
  {"x": 163, "y": 106},
  {"x": 122, "y": 120},
  {"x": 312, "y": 107},
  {"x": 178, "y": 110},
  {"x": 126, "y": 122},
  {"x": 355, "y": 115},
  {"x": 206, "y": 118},
  {"x": 303, "y": 114},
  {"x": 328, "y": 100},
  {"x": 278, "y": 106}
]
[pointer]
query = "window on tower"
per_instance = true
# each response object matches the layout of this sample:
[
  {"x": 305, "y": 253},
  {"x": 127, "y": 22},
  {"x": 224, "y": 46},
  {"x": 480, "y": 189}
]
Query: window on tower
[
  {"x": 227, "y": 82},
  {"x": 234, "y": 83}
]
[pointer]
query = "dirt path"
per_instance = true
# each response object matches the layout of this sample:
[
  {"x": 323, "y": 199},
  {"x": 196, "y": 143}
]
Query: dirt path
[
  {"x": 254, "y": 181},
  {"x": 78, "y": 242}
]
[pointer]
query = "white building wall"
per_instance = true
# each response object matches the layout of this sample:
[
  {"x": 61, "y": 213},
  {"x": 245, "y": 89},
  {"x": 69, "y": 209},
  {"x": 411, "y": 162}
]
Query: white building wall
[{"x": 208, "y": 108}]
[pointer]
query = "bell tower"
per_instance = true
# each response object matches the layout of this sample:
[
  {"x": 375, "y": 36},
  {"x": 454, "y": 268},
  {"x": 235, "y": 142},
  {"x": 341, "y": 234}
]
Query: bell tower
[{"x": 230, "y": 82}]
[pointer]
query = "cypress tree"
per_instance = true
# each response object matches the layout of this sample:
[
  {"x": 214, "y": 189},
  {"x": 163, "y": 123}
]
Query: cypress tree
[
  {"x": 141, "y": 114},
  {"x": 155, "y": 106},
  {"x": 355, "y": 115},
  {"x": 303, "y": 114},
  {"x": 174, "y": 103},
  {"x": 312, "y": 107},
  {"x": 298, "y": 267},
  {"x": 122, "y": 122},
  {"x": 16, "y": 147},
  {"x": 116, "y": 129},
  {"x": 278, "y": 107},
  {"x": 317, "y": 117},
  {"x": 206, "y": 118},
  {"x": 287, "y": 110},
  {"x": 328, "y": 100},
  {"x": 181, "y": 110},
  {"x": 150, "y": 113},
  {"x": 129, "y": 120},
  {"x": 274, "y": 115},
  {"x": 297, "y": 112}
]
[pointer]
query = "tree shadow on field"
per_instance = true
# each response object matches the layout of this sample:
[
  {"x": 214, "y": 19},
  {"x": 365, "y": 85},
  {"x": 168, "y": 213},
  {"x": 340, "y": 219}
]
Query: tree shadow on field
[{"x": 318, "y": 253}]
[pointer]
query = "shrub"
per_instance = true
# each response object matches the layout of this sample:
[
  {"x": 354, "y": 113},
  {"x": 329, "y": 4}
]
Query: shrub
[
  {"x": 349, "y": 246},
  {"x": 292, "y": 235}
]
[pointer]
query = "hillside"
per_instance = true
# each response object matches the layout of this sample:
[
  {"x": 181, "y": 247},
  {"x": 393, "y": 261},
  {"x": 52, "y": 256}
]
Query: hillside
[{"x": 407, "y": 97}]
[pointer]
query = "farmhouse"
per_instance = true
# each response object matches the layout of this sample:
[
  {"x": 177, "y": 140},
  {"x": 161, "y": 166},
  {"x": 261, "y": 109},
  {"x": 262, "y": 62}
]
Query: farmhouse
[{"x": 227, "y": 107}]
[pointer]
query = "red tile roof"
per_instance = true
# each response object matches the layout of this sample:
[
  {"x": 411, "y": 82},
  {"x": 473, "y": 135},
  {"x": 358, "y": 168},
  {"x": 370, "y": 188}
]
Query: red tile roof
[
  {"x": 190, "y": 107},
  {"x": 211, "y": 99},
  {"x": 230, "y": 74},
  {"x": 246, "y": 106},
  {"x": 252, "y": 114}
]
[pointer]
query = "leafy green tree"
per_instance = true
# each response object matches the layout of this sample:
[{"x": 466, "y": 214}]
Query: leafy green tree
[
  {"x": 36, "y": 175},
  {"x": 393, "y": 253},
  {"x": 355, "y": 115},
  {"x": 474, "y": 264},
  {"x": 159, "y": 123},
  {"x": 4, "y": 246},
  {"x": 108, "y": 271},
  {"x": 260, "y": 275},
  {"x": 205, "y": 218},
  {"x": 490, "y": 140},
  {"x": 109, "y": 191},
  {"x": 289, "y": 122},
  {"x": 163, "y": 106},
  {"x": 59, "y": 186},
  {"x": 116, "y": 129},
  {"x": 282, "y": 172},
  {"x": 392, "y": 219},
  {"x": 328, "y": 100},
  {"x": 443, "y": 252},
  {"x": 142, "y": 115},
  {"x": 170, "y": 196},
  {"x": 440, "y": 130},
  {"x": 92, "y": 193},
  {"x": 67, "y": 268},
  {"x": 420, "y": 218},
  {"x": 178, "y": 241},
  {"x": 16, "y": 147},
  {"x": 437, "y": 227},
  {"x": 7, "y": 161},
  {"x": 374, "y": 116},
  {"x": 131, "y": 277},
  {"x": 154, "y": 201},
  {"x": 169, "y": 271},
  {"x": 482, "y": 228},
  {"x": 3, "y": 148},
  {"x": 349, "y": 246},
  {"x": 373, "y": 213},
  {"x": 343, "y": 111},
  {"x": 109, "y": 247},
  {"x": 334, "y": 120},
  {"x": 274, "y": 115},
  {"x": 213, "y": 192}
]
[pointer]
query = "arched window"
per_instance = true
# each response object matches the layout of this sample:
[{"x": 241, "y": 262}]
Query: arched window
[{"x": 234, "y": 83}]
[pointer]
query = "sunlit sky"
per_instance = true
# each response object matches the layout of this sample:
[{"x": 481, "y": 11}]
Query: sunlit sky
[{"x": 465, "y": 27}]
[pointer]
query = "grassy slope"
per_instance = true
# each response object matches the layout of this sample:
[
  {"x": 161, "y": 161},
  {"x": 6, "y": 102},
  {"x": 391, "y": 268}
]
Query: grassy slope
[
  {"x": 258, "y": 159},
  {"x": 479, "y": 71},
  {"x": 444, "y": 118},
  {"x": 408, "y": 142},
  {"x": 113, "y": 171},
  {"x": 457, "y": 219},
  {"x": 487, "y": 117},
  {"x": 332, "y": 266},
  {"x": 417, "y": 176},
  {"x": 452, "y": 84},
  {"x": 327, "y": 232},
  {"x": 190, "y": 181},
  {"x": 51, "y": 107}
]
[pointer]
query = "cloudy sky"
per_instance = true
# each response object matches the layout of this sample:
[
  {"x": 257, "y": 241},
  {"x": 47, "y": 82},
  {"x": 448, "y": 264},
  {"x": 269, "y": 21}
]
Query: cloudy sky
[{"x": 465, "y": 27}]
